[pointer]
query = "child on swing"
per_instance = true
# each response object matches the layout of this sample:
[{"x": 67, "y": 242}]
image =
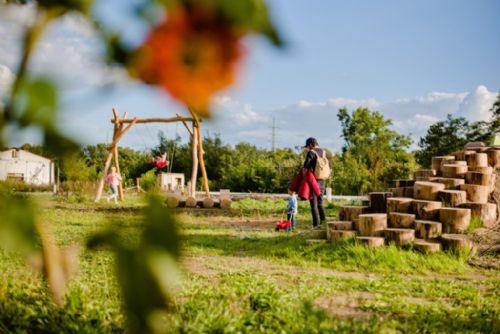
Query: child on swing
[{"x": 113, "y": 180}]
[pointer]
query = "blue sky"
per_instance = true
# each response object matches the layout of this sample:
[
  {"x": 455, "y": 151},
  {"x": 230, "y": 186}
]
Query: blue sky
[{"x": 415, "y": 61}]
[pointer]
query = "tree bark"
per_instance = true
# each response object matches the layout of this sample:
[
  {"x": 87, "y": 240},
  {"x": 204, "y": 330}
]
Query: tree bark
[
  {"x": 456, "y": 242},
  {"x": 372, "y": 242},
  {"x": 426, "y": 246},
  {"x": 475, "y": 193},
  {"x": 372, "y": 224},
  {"x": 426, "y": 229},
  {"x": 454, "y": 220},
  {"x": 486, "y": 212},
  {"x": 399, "y": 204},
  {"x": 401, "y": 220},
  {"x": 452, "y": 197},
  {"x": 427, "y": 191},
  {"x": 426, "y": 210},
  {"x": 351, "y": 212},
  {"x": 454, "y": 171},
  {"x": 400, "y": 236},
  {"x": 378, "y": 201}
]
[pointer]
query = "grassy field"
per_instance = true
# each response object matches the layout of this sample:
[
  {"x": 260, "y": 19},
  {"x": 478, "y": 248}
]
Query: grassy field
[{"x": 242, "y": 277}]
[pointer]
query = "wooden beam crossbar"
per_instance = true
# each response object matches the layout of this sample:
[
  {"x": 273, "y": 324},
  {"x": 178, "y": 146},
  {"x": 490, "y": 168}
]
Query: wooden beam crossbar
[{"x": 153, "y": 120}]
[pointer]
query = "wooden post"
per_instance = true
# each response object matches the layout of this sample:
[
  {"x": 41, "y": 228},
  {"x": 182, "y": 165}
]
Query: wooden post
[
  {"x": 194, "y": 154},
  {"x": 117, "y": 166},
  {"x": 202, "y": 162},
  {"x": 118, "y": 133}
]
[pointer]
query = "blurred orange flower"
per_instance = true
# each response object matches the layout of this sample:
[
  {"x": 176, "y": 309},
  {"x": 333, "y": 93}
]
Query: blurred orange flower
[{"x": 192, "y": 54}]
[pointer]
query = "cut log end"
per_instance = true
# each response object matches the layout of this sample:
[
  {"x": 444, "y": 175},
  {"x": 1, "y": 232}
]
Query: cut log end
[
  {"x": 208, "y": 203},
  {"x": 172, "y": 201},
  {"x": 225, "y": 203},
  {"x": 191, "y": 202}
]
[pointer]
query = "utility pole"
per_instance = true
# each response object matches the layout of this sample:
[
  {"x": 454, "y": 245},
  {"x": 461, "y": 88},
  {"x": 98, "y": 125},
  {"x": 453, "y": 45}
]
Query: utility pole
[{"x": 274, "y": 134}]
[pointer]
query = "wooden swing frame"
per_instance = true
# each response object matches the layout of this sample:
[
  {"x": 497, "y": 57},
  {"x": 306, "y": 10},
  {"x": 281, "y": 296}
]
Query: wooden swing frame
[{"x": 122, "y": 125}]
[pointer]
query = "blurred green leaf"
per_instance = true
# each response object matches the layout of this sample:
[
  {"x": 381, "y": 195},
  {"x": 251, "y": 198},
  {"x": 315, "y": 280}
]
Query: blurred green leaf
[
  {"x": 82, "y": 6},
  {"x": 36, "y": 102},
  {"x": 147, "y": 273},
  {"x": 160, "y": 231},
  {"x": 17, "y": 224}
]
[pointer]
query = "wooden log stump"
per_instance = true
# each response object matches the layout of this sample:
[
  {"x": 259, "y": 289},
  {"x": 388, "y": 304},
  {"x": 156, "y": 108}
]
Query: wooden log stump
[
  {"x": 426, "y": 229},
  {"x": 378, "y": 201},
  {"x": 208, "y": 203},
  {"x": 403, "y": 183},
  {"x": 454, "y": 220},
  {"x": 452, "y": 197},
  {"x": 426, "y": 210},
  {"x": 351, "y": 212},
  {"x": 424, "y": 173},
  {"x": 485, "y": 170},
  {"x": 397, "y": 192},
  {"x": 486, "y": 212},
  {"x": 339, "y": 225},
  {"x": 172, "y": 201},
  {"x": 427, "y": 191},
  {"x": 426, "y": 246},
  {"x": 450, "y": 183},
  {"x": 401, "y": 220},
  {"x": 372, "y": 224},
  {"x": 493, "y": 182},
  {"x": 477, "y": 160},
  {"x": 456, "y": 242},
  {"x": 336, "y": 235},
  {"x": 493, "y": 157},
  {"x": 372, "y": 242},
  {"x": 191, "y": 202},
  {"x": 476, "y": 193},
  {"x": 454, "y": 171},
  {"x": 438, "y": 161},
  {"x": 400, "y": 236},
  {"x": 225, "y": 203},
  {"x": 460, "y": 155},
  {"x": 408, "y": 192},
  {"x": 478, "y": 178},
  {"x": 399, "y": 204},
  {"x": 355, "y": 224},
  {"x": 311, "y": 242}
]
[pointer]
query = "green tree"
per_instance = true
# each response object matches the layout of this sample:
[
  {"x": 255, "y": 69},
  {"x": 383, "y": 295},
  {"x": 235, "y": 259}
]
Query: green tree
[
  {"x": 442, "y": 138},
  {"x": 372, "y": 155}
]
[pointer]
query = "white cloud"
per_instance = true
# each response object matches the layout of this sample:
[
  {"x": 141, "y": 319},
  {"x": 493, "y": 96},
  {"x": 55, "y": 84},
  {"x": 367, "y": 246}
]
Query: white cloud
[
  {"x": 68, "y": 51},
  {"x": 477, "y": 104},
  {"x": 295, "y": 122}
]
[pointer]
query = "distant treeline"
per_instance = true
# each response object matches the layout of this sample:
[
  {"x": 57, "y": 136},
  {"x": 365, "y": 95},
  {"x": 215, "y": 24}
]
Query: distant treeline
[{"x": 372, "y": 156}]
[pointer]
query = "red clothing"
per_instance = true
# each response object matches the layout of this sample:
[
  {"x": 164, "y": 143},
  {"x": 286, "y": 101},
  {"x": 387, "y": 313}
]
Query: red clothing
[{"x": 305, "y": 185}]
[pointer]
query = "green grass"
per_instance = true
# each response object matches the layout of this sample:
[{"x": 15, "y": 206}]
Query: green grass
[{"x": 242, "y": 277}]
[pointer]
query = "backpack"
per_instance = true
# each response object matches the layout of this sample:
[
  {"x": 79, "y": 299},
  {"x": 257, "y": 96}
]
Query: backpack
[{"x": 322, "y": 171}]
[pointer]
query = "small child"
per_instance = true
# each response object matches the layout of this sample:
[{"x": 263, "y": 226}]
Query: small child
[
  {"x": 292, "y": 209},
  {"x": 113, "y": 179}
]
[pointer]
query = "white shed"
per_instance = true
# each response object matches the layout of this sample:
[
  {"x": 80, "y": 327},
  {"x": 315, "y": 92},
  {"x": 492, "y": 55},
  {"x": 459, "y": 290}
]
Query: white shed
[
  {"x": 172, "y": 181},
  {"x": 27, "y": 167}
]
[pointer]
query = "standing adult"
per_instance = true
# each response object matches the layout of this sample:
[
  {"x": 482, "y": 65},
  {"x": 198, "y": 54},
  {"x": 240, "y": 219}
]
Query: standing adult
[{"x": 311, "y": 163}]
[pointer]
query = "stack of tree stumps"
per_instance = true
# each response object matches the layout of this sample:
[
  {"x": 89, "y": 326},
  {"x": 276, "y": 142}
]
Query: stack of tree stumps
[{"x": 430, "y": 212}]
